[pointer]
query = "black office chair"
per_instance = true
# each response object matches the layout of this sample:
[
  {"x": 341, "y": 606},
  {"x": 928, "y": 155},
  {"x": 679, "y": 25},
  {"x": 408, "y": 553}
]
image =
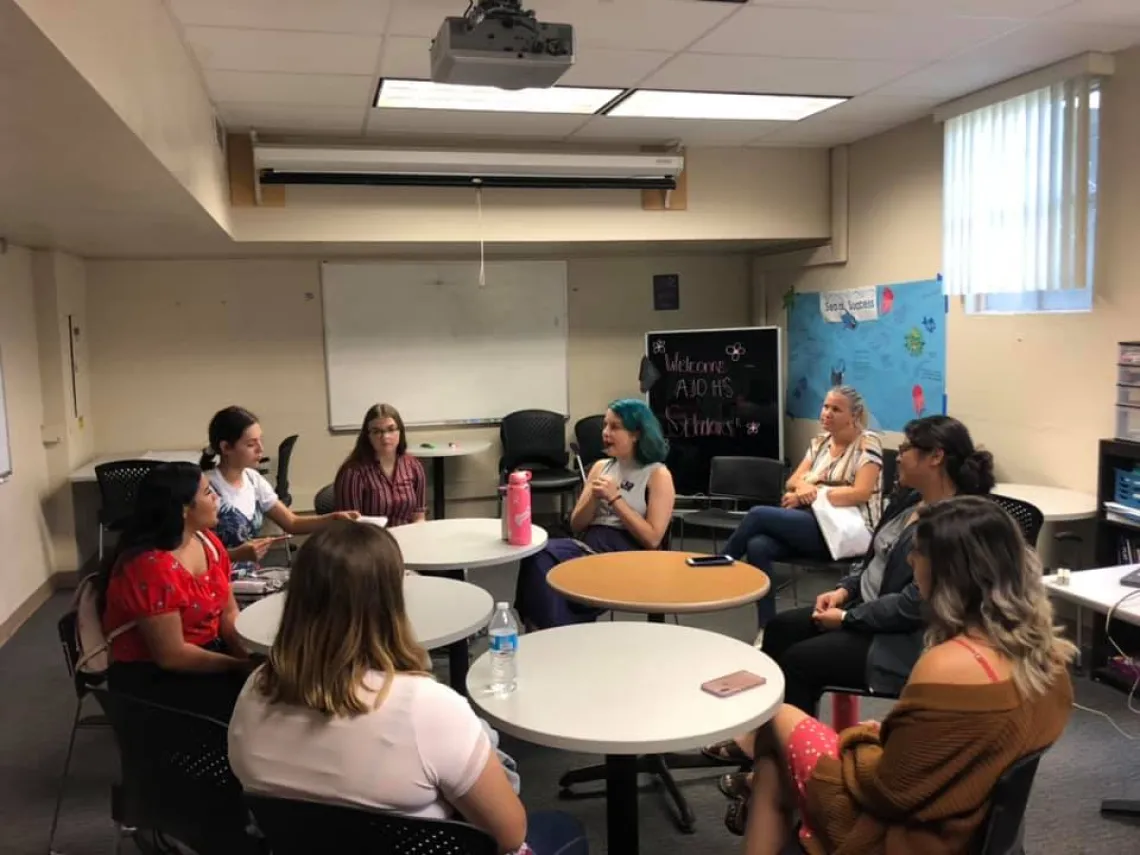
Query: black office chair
[
  {"x": 736, "y": 480},
  {"x": 587, "y": 447},
  {"x": 118, "y": 484},
  {"x": 295, "y": 827},
  {"x": 175, "y": 777},
  {"x": 1001, "y": 833},
  {"x": 1028, "y": 517},
  {"x": 325, "y": 500},
  {"x": 536, "y": 440},
  {"x": 83, "y": 683},
  {"x": 284, "y": 453}
]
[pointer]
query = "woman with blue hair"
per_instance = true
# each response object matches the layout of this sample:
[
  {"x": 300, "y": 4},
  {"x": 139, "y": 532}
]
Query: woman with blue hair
[{"x": 627, "y": 504}]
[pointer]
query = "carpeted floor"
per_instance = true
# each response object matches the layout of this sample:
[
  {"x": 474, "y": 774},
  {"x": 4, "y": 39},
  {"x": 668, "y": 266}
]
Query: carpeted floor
[{"x": 1091, "y": 761}]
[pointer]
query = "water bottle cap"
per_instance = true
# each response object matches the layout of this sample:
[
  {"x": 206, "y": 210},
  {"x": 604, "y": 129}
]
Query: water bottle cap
[
  {"x": 502, "y": 605},
  {"x": 520, "y": 476}
]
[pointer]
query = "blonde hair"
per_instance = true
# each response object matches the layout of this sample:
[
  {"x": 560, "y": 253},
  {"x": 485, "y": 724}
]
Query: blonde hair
[
  {"x": 854, "y": 401},
  {"x": 983, "y": 578},
  {"x": 344, "y": 616}
]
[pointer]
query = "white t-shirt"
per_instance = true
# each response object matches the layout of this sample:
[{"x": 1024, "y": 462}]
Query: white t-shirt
[
  {"x": 255, "y": 495},
  {"x": 421, "y": 749}
]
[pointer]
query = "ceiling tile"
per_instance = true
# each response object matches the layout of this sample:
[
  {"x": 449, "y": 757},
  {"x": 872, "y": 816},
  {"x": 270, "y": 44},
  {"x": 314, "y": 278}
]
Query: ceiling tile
[
  {"x": 824, "y": 135},
  {"x": 1020, "y": 52},
  {"x": 276, "y": 50},
  {"x": 472, "y": 124},
  {"x": 606, "y": 68},
  {"x": 1021, "y": 9},
  {"x": 407, "y": 57},
  {"x": 325, "y": 16},
  {"x": 1125, "y": 12},
  {"x": 661, "y": 131},
  {"x": 286, "y": 118},
  {"x": 616, "y": 24},
  {"x": 766, "y": 31},
  {"x": 258, "y": 87},
  {"x": 776, "y": 75},
  {"x": 875, "y": 109}
]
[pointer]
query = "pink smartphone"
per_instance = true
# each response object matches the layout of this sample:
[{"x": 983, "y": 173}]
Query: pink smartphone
[{"x": 733, "y": 684}]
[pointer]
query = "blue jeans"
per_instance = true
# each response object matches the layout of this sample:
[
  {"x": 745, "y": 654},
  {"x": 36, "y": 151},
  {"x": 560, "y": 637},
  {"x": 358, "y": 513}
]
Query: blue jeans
[
  {"x": 767, "y": 535},
  {"x": 552, "y": 832}
]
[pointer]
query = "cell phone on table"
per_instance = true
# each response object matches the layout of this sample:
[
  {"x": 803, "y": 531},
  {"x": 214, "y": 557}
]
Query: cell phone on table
[
  {"x": 709, "y": 560},
  {"x": 733, "y": 684}
]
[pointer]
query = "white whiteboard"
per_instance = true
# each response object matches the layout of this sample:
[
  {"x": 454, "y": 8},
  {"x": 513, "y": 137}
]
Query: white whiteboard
[
  {"x": 5, "y": 444},
  {"x": 443, "y": 349}
]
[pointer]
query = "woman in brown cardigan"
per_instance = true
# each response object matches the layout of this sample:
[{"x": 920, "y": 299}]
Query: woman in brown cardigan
[{"x": 992, "y": 686}]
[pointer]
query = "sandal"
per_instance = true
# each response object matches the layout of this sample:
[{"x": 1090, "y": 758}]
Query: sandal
[
  {"x": 726, "y": 752},
  {"x": 735, "y": 785},
  {"x": 736, "y": 817}
]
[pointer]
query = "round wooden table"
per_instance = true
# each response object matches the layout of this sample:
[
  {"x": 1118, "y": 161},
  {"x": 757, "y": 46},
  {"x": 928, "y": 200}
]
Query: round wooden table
[{"x": 656, "y": 583}]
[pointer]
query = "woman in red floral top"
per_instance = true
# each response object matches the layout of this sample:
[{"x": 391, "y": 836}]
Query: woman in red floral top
[{"x": 169, "y": 581}]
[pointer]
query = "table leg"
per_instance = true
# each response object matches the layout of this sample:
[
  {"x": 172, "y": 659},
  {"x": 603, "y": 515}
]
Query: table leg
[
  {"x": 1080, "y": 637},
  {"x": 437, "y": 488},
  {"x": 621, "y": 804},
  {"x": 458, "y": 660}
]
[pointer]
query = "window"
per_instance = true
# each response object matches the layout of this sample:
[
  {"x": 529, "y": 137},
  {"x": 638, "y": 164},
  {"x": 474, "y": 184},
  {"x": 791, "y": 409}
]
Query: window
[{"x": 1020, "y": 200}]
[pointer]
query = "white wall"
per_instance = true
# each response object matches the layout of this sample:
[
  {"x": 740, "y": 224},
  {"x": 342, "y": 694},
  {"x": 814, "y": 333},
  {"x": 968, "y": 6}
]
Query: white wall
[{"x": 27, "y": 558}]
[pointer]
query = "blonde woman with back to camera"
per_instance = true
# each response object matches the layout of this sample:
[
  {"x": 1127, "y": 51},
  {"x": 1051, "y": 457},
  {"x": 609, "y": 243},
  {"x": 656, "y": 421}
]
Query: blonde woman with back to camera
[
  {"x": 991, "y": 687},
  {"x": 345, "y": 710}
]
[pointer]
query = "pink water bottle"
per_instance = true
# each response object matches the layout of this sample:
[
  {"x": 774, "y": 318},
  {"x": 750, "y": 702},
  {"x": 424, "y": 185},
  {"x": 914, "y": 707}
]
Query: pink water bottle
[{"x": 518, "y": 508}]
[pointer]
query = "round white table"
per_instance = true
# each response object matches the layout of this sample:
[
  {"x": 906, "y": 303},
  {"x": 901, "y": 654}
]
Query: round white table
[
  {"x": 443, "y": 613},
  {"x": 438, "y": 452},
  {"x": 626, "y": 689},
  {"x": 1055, "y": 503},
  {"x": 461, "y": 544}
]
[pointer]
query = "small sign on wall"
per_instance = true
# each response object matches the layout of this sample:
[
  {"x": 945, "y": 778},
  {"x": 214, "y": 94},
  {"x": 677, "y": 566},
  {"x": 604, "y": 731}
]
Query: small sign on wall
[{"x": 666, "y": 292}]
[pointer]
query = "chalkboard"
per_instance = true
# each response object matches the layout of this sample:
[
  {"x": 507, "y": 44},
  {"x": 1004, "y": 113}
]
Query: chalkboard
[{"x": 719, "y": 394}]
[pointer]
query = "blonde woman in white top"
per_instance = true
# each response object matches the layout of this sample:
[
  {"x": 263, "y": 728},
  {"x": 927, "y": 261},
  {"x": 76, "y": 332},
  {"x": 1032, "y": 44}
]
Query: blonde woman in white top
[
  {"x": 846, "y": 458},
  {"x": 345, "y": 711}
]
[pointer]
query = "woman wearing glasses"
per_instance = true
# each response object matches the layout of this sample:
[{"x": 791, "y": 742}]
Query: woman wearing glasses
[{"x": 379, "y": 478}]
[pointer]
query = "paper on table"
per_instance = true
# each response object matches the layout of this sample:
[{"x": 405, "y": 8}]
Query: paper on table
[{"x": 379, "y": 522}]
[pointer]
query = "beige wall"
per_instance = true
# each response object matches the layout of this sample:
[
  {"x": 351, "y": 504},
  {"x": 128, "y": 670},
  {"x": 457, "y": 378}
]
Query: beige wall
[
  {"x": 27, "y": 559},
  {"x": 1037, "y": 390},
  {"x": 171, "y": 342}
]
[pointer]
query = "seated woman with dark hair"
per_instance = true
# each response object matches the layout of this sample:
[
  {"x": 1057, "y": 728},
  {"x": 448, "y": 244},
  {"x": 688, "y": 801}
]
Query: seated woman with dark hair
[
  {"x": 867, "y": 633},
  {"x": 991, "y": 686},
  {"x": 379, "y": 478},
  {"x": 345, "y": 710},
  {"x": 245, "y": 498},
  {"x": 167, "y": 603},
  {"x": 627, "y": 504}
]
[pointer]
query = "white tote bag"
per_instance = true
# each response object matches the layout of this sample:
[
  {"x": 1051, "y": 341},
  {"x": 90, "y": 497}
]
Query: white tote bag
[{"x": 844, "y": 529}]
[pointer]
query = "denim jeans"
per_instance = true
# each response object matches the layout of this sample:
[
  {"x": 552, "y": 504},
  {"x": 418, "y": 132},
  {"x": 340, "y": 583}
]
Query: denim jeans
[
  {"x": 552, "y": 832},
  {"x": 767, "y": 535}
]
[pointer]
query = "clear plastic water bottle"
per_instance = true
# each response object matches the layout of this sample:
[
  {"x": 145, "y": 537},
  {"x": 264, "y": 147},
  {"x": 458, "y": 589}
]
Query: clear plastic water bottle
[{"x": 504, "y": 639}]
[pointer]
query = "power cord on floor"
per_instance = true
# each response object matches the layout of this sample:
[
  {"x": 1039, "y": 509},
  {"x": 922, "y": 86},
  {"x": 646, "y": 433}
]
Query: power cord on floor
[{"x": 1135, "y": 683}]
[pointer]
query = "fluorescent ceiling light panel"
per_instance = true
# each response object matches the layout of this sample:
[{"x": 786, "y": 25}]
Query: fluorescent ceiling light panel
[
  {"x": 666, "y": 104},
  {"x": 426, "y": 95}
]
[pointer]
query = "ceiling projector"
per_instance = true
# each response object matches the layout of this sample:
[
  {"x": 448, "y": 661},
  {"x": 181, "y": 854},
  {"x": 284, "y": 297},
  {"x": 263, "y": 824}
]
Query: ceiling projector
[{"x": 498, "y": 43}]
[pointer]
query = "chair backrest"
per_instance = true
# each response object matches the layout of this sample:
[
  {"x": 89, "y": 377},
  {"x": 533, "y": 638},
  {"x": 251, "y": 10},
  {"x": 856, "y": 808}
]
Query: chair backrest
[
  {"x": 68, "y": 629},
  {"x": 1028, "y": 517},
  {"x": 754, "y": 479},
  {"x": 1000, "y": 835},
  {"x": 119, "y": 484},
  {"x": 284, "y": 453},
  {"x": 325, "y": 500},
  {"x": 533, "y": 437},
  {"x": 890, "y": 472},
  {"x": 588, "y": 435},
  {"x": 175, "y": 774},
  {"x": 295, "y": 827}
]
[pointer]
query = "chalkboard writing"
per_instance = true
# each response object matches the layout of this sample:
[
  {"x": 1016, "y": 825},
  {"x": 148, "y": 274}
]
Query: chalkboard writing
[{"x": 718, "y": 395}]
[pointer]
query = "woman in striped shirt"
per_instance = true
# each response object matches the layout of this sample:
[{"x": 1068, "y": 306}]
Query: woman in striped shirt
[{"x": 379, "y": 478}]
